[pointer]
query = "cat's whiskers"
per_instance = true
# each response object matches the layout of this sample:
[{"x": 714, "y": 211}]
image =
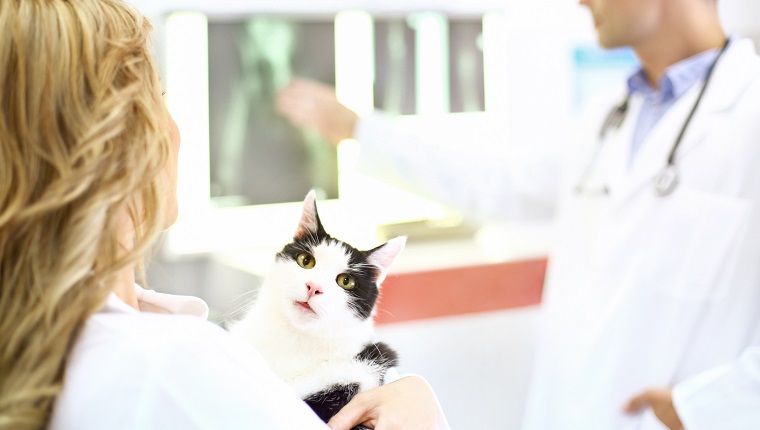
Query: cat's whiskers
[
  {"x": 353, "y": 303},
  {"x": 384, "y": 312},
  {"x": 243, "y": 303}
]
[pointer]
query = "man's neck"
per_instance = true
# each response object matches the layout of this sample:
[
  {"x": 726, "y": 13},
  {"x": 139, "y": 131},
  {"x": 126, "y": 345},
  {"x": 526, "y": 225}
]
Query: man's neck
[{"x": 696, "y": 33}]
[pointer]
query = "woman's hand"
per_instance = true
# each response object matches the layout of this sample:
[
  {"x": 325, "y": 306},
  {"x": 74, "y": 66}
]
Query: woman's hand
[
  {"x": 408, "y": 403},
  {"x": 661, "y": 402}
]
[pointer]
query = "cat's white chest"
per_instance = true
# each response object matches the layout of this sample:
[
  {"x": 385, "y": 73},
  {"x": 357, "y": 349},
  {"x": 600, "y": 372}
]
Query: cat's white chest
[
  {"x": 306, "y": 363},
  {"x": 308, "y": 377}
]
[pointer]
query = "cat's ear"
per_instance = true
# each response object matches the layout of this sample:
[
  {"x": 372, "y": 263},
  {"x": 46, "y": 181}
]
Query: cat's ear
[
  {"x": 309, "y": 223},
  {"x": 383, "y": 256}
]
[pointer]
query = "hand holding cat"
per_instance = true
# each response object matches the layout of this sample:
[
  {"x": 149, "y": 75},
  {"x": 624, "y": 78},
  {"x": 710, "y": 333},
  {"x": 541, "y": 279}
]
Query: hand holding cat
[
  {"x": 408, "y": 403},
  {"x": 661, "y": 402}
]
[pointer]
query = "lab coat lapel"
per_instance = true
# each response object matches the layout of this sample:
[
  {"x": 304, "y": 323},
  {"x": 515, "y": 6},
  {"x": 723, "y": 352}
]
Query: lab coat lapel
[{"x": 722, "y": 93}]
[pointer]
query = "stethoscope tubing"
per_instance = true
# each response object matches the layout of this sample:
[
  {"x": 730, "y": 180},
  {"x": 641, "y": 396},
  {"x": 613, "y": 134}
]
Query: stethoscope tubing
[{"x": 708, "y": 76}]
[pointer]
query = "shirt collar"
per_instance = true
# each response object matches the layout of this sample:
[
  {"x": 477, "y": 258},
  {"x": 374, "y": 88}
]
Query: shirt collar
[
  {"x": 678, "y": 78},
  {"x": 155, "y": 302}
]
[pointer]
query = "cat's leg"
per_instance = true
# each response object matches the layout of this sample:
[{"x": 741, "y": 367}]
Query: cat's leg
[
  {"x": 328, "y": 402},
  {"x": 380, "y": 356}
]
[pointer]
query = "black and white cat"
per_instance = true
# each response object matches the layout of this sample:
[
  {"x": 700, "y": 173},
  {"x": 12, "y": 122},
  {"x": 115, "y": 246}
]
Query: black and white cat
[{"x": 312, "y": 319}]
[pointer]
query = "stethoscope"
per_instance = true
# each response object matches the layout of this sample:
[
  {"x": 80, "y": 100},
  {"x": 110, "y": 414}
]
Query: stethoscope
[{"x": 667, "y": 179}]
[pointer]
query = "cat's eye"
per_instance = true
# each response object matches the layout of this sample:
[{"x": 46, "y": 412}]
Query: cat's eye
[
  {"x": 346, "y": 282},
  {"x": 306, "y": 260}
]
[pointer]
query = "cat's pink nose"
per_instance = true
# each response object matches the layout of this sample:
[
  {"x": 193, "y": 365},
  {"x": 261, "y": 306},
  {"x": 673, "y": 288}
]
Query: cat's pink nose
[{"x": 313, "y": 289}]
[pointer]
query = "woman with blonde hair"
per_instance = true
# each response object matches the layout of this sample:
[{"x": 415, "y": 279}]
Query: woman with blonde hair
[{"x": 88, "y": 167}]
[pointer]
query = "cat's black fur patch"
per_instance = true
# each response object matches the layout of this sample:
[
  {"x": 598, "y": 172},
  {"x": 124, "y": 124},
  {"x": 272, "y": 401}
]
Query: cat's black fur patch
[
  {"x": 381, "y": 355},
  {"x": 328, "y": 402}
]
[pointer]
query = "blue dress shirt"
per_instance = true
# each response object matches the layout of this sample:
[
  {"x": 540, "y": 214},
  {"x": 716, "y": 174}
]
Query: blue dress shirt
[{"x": 678, "y": 79}]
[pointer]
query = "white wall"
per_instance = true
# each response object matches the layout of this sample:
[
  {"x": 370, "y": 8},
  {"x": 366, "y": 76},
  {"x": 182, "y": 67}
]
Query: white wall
[{"x": 740, "y": 16}]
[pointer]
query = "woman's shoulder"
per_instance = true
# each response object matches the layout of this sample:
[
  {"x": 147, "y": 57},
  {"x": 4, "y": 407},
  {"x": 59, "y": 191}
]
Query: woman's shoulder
[
  {"x": 147, "y": 333},
  {"x": 139, "y": 350},
  {"x": 151, "y": 345},
  {"x": 165, "y": 371}
]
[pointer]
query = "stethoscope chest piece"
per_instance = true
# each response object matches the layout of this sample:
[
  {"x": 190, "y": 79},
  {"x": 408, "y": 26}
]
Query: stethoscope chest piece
[{"x": 666, "y": 181}]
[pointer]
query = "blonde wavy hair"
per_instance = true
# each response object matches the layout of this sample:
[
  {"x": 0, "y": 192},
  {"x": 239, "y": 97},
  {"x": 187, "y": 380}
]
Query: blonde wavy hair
[{"x": 84, "y": 137}]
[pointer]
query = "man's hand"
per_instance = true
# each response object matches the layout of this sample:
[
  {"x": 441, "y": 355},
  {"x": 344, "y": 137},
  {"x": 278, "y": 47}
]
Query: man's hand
[
  {"x": 661, "y": 402},
  {"x": 407, "y": 404},
  {"x": 311, "y": 104}
]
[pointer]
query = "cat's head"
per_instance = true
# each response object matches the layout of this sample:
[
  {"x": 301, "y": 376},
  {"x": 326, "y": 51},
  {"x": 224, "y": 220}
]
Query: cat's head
[{"x": 323, "y": 281}]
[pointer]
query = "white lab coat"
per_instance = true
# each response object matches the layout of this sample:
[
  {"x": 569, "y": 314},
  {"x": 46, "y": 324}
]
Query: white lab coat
[
  {"x": 725, "y": 397},
  {"x": 641, "y": 291}
]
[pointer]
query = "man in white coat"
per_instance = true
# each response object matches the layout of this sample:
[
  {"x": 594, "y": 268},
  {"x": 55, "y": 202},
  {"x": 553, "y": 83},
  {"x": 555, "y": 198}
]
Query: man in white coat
[{"x": 652, "y": 300}]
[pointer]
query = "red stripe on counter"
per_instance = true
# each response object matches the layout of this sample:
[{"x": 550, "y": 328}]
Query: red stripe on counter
[{"x": 462, "y": 290}]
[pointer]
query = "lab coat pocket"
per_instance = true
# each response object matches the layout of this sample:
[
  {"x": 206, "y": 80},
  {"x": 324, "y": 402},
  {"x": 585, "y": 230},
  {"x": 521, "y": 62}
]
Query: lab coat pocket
[{"x": 701, "y": 235}]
